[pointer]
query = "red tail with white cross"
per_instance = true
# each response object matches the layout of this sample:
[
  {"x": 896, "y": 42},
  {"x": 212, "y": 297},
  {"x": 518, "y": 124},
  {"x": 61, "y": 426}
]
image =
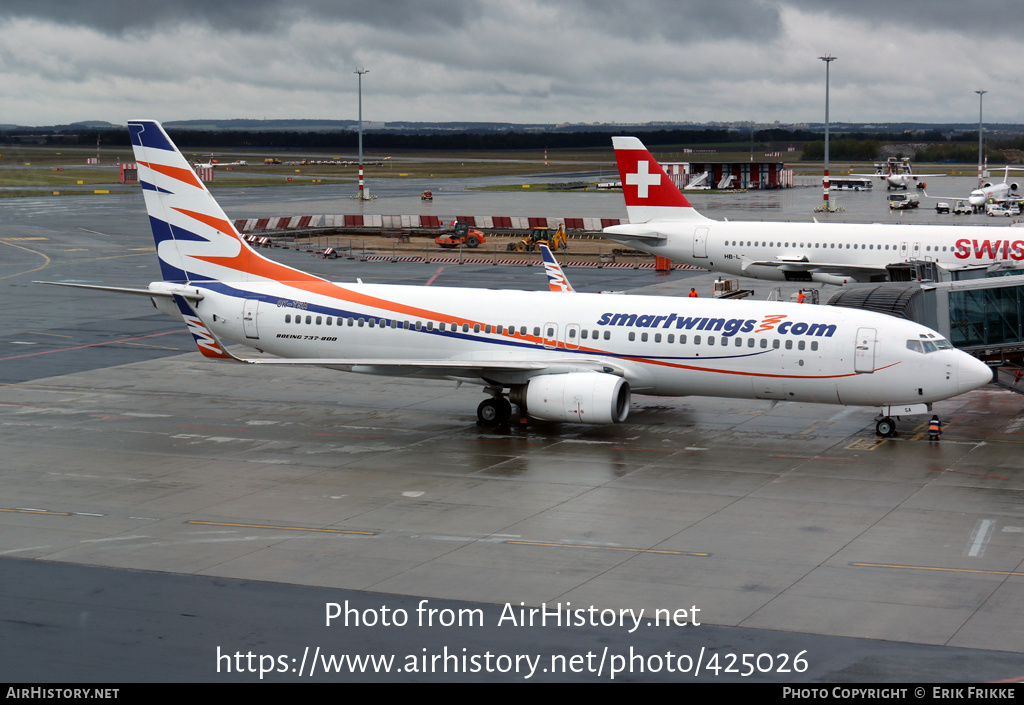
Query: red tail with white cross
[{"x": 650, "y": 193}]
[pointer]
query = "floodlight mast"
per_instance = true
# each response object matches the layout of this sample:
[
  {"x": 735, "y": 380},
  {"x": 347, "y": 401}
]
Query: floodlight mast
[
  {"x": 360, "y": 72},
  {"x": 981, "y": 168},
  {"x": 828, "y": 59}
]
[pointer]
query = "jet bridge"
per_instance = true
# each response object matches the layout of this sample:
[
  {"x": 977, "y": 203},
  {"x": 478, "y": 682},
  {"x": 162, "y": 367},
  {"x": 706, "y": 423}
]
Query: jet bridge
[{"x": 984, "y": 317}]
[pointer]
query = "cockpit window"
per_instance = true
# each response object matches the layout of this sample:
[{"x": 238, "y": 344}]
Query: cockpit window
[{"x": 929, "y": 346}]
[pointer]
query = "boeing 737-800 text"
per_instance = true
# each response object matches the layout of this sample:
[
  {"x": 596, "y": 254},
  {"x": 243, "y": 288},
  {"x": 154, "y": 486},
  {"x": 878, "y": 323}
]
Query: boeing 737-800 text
[
  {"x": 662, "y": 222},
  {"x": 559, "y": 355}
]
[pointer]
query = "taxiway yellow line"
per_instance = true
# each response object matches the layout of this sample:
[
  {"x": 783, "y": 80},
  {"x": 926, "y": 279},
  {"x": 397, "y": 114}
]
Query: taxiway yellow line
[
  {"x": 609, "y": 548},
  {"x": 284, "y": 528}
]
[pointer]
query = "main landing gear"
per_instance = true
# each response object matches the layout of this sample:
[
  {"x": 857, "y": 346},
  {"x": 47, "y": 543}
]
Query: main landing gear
[{"x": 495, "y": 411}]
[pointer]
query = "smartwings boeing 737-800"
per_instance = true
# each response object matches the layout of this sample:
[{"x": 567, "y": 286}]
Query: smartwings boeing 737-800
[
  {"x": 558, "y": 355},
  {"x": 662, "y": 222}
]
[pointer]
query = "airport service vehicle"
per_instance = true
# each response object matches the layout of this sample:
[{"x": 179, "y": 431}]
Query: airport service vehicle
[
  {"x": 997, "y": 209},
  {"x": 559, "y": 355},
  {"x": 849, "y": 183},
  {"x": 942, "y": 207},
  {"x": 903, "y": 201},
  {"x": 541, "y": 235},
  {"x": 461, "y": 235},
  {"x": 662, "y": 222}
]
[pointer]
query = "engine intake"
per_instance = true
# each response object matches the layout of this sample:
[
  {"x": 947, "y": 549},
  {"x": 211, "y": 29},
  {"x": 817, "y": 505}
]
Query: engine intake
[{"x": 578, "y": 397}]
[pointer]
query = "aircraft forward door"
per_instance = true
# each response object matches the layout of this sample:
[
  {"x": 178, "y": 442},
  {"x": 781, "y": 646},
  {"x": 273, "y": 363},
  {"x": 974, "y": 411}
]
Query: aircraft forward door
[
  {"x": 250, "y": 309},
  {"x": 864, "y": 356},
  {"x": 700, "y": 242}
]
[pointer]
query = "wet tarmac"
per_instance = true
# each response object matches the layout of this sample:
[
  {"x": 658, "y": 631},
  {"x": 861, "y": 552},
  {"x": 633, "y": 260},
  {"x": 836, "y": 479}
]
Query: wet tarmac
[{"x": 226, "y": 507}]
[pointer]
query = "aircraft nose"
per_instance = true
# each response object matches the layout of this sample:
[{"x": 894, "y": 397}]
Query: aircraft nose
[{"x": 971, "y": 373}]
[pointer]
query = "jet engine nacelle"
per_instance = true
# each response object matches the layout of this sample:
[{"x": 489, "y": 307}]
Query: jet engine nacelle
[
  {"x": 578, "y": 397},
  {"x": 1013, "y": 186}
]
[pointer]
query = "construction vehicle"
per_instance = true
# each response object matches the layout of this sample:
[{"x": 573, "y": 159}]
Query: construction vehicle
[
  {"x": 460, "y": 235},
  {"x": 541, "y": 235}
]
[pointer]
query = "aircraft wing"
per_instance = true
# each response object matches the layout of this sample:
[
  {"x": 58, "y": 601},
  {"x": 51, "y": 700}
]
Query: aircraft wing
[
  {"x": 827, "y": 267},
  {"x": 500, "y": 371}
]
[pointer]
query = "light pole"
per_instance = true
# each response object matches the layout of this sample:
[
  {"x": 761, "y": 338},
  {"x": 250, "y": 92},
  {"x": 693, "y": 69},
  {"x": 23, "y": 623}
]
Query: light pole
[
  {"x": 828, "y": 59},
  {"x": 981, "y": 169},
  {"x": 360, "y": 73}
]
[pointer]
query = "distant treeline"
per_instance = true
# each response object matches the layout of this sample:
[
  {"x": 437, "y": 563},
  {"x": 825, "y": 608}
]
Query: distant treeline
[
  {"x": 851, "y": 146},
  {"x": 386, "y": 140}
]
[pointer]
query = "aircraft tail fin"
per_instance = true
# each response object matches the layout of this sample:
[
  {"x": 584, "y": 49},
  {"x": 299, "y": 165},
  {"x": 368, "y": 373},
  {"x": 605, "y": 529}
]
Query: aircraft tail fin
[
  {"x": 195, "y": 241},
  {"x": 557, "y": 281},
  {"x": 649, "y": 192}
]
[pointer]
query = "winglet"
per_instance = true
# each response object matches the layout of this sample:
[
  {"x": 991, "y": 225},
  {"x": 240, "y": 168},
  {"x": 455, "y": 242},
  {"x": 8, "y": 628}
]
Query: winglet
[
  {"x": 557, "y": 280},
  {"x": 649, "y": 192}
]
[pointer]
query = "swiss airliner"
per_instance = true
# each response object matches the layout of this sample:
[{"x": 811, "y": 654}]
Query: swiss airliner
[
  {"x": 662, "y": 222},
  {"x": 558, "y": 355}
]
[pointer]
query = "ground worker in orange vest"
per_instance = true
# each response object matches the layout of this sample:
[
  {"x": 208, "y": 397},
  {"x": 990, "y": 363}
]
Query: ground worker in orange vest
[
  {"x": 693, "y": 293},
  {"x": 934, "y": 428},
  {"x": 800, "y": 297}
]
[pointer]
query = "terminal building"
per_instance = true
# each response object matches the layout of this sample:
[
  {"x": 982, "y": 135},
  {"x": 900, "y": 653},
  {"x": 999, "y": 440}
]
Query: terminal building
[{"x": 726, "y": 175}]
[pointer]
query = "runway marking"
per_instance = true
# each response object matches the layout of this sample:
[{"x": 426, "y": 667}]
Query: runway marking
[
  {"x": 204, "y": 428},
  {"x": 42, "y": 266},
  {"x": 26, "y": 510},
  {"x": 815, "y": 457},
  {"x": 35, "y": 332},
  {"x": 156, "y": 347},
  {"x": 980, "y": 537},
  {"x": 971, "y": 474},
  {"x": 284, "y": 528},
  {"x": 436, "y": 275},
  {"x": 348, "y": 435},
  {"x": 609, "y": 548},
  {"x": 92, "y": 345},
  {"x": 19, "y": 550},
  {"x": 940, "y": 570},
  {"x": 654, "y": 450},
  {"x": 864, "y": 444}
]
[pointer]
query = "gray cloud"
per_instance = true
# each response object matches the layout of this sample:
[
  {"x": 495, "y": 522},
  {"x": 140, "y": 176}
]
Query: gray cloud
[
  {"x": 245, "y": 16},
  {"x": 508, "y": 60}
]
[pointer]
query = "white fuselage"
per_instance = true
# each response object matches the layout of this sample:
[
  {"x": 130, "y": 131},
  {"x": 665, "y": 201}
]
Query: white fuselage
[
  {"x": 845, "y": 251},
  {"x": 662, "y": 346}
]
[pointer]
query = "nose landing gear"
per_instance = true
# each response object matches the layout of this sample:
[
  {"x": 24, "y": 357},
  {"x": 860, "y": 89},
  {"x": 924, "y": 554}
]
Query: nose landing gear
[{"x": 885, "y": 427}]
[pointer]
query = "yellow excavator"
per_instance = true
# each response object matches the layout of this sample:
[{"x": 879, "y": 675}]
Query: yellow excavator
[{"x": 541, "y": 236}]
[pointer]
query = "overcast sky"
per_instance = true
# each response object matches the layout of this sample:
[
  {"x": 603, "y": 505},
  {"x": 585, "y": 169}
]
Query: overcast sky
[{"x": 510, "y": 60}]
